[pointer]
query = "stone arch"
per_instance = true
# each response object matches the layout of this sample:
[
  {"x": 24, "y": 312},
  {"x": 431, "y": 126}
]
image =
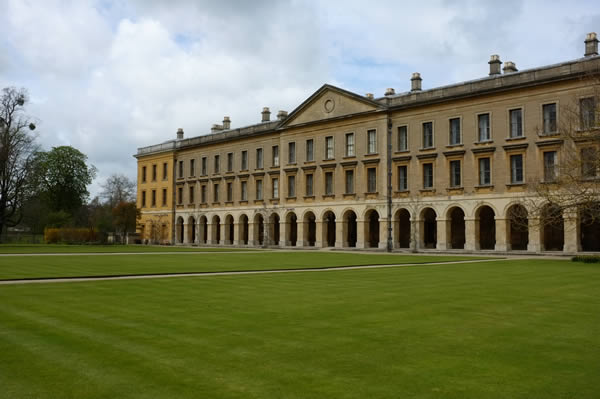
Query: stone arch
[
  {"x": 291, "y": 233},
  {"x": 203, "y": 229},
  {"x": 328, "y": 230},
  {"x": 274, "y": 228},
  {"x": 517, "y": 229},
  {"x": 191, "y": 231},
  {"x": 229, "y": 229},
  {"x": 589, "y": 228},
  {"x": 402, "y": 230},
  {"x": 259, "y": 229},
  {"x": 349, "y": 230},
  {"x": 179, "y": 230},
  {"x": 243, "y": 226},
  {"x": 428, "y": 224},
  {"x": 485, "y": 227},
  {"x": 216, "y": 229},
  {"x": 552, "y": 225},
  {"x": 455, "y": 227},
  {"x": 310, "y": 228},
  {"x": 371, "y": 226}
]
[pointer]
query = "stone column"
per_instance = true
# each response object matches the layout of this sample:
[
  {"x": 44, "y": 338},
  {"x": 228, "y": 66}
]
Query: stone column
[
  {"x": 251, "y": 242},
  {"x": 319, "y": 234},
  {"x": 209, "y": 233},
  {"x": 236, "y": 234},
  {"x": 383, "y": 225},
  {"x": 283, "y": 233},
  {"x": 571, "y": 232},
  {"x": 470, "y": 236},
  {"x": 414, "y": 235},
  {"x": 360, "y": 233},
  {"x": 501, "y": 234},
  {"x": 442, "y": 234},
  {"x": 535, "y": 236},
  {"x": 300, "y": 242},
  {"x": 339, "y": 234},
  {"x": 185, "y": 234}
]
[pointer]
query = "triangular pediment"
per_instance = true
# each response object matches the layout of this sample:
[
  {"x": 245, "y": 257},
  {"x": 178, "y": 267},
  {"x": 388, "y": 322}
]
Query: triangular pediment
[{"x": 330, "y": 102}]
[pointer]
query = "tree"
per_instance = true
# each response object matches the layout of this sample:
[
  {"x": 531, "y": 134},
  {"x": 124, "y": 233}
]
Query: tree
[
  {"x": 118, "y": 188},
  {"x": 125, "y": 216},
  {"x": 17, "y": 149},
  {"x": 62, "y": 176}
]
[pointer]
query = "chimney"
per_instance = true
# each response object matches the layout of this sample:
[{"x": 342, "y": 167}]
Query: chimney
[
  {"x": 281, "y": 115},
  {"x": 216, "y": 128},
  {"x": 266, "y": 114},
  {"x": 390, "y": 91},
  {"x": 591, "y": 44},
  {"x": 415, "y": 82},
  {"x": 370, "y": 96},
  {"x": 179, "y": 134},
  {"x": 510, "y": 67},
  {"x": 495, "y": 64},
  {"x": 226, "y": 123}
]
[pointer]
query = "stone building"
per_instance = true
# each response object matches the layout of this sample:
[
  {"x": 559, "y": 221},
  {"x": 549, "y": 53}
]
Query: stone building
[{"x": 442, "y": 168}]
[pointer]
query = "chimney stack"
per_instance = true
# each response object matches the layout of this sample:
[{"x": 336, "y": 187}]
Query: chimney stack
[
  {"x": 510, "y": 67},
  {"x": 226, "y": 123},
  {"x": 370, "y": 96},
  {"x": 495, "y": 65},
  {"x": 591, "y": 44},
  {"x": 415, "y": 82},
  {"x": 216, "y": 128},
  {"x": 179, "y": 134},
  {"x": 390, "y": 91},
  {"x": 281, "y": 115},
  {"x": 266, "y": 114}
]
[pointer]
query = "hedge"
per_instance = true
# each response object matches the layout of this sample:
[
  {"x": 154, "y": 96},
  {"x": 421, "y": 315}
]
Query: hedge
[
  {"x": 586, "y": 258},
  {"x": 70, "y": 235}
]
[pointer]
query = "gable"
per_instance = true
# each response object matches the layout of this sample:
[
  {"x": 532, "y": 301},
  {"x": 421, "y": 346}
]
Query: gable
[{"x": 329, "y": 103}]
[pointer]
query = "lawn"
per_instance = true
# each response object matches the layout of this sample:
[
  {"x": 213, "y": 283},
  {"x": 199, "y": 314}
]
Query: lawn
[
  {"x": 14, "y": 267},
  {"x": 505, "y": 329},
  {"x": 58, "y": 248}
]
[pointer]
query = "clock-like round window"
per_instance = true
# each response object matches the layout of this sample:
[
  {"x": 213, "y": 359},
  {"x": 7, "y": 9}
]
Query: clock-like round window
[{"x": 329, "y": 105}]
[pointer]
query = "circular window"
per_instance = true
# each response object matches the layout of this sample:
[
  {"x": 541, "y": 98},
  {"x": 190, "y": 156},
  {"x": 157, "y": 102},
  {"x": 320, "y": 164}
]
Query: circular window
[{"x": 329, "y": 105}]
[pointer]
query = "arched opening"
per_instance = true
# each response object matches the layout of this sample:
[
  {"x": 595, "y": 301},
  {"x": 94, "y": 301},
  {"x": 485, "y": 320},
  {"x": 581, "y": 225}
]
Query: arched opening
[
  {"x": 244, "y": 229},
  {"x": 518, "y": 228},
  {"x": 403, "y": 228},
  {"x": 180, "y": 230},
  {"x": 372, "y": 229},
  {"x": 553, "y": 228},
  {"x": 456, "y": 224},
  {"x": 274, "y": 229},
  {"x": 329, "y": 229},
  {"x": 216, "y": 230},
  {"x": 292, "y": 229},
  {"x": 350, "y": 229},
  {"x": 589, "y": 227},
  {"x": 228, "y": 230},
  {"x": 203, "y": 230},
  {"x": 429, "y": 230},
  {"x": 259, "y": 229},
  {"x": 310, "y": 229},
  {"x": 486, "y": 227},
  {"x": 191, "y": 230}
]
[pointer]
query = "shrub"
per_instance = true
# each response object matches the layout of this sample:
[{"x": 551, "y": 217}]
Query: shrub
[
  {"x": 70, "y": 235},
  {"x": 586, "y": 258}
]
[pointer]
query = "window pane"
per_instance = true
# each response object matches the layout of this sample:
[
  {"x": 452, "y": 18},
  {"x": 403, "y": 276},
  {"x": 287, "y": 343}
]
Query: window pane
[
  {"x": 229, "y": 192},
  {"x": 371, "y": 180},
  {"x": 217, "y": 163},
  {"x": 276, "y": 155},
  {"x": 350, "y": 144},
  {"x": 516, "y": 163},
  {"x": 309, "y": 150},
  {"x": 275, "y": 188},
  {"x": 589, "y": 162},
  {"x": 402, "y": 138},
  {"x": 549, "y": 166},
  {"x": 483, "y": 122},
  {"x": 259, "y": 158},
  {"x": 427, "y": 175},
  {"x": 454, "y": 131},
  {"x": 402, "y": 178},
  {"x": 349, "y": 182},
  {"x": 244, "y": 191},
  {"x": 455, "y": 173},
  {"x": 372, "y": 141},
  {"x": 549, "y": 111},
  {"x": 427, "y": 134},
  {"x": 329, "y": 183},
  {"x": 328, "y": 147},
  {"x": 291, "y": 186},
  {"x": 259, "y": 191},
  {"x": 244, "y": 160},
  {"x": 484, "y": 172},
  {"x": 588, "y": 112},
  {"x": 230, "y": 162},
  {"x": 309, "y": 185},
  {"x": 516, "y": 123},
  {"x": 291, "y": 152}
]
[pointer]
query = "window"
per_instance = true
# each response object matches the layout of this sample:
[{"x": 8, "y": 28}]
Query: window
[
  {"x": 165, "y": 171},
  {"x": 329, "y": 147},
  {"x": 259, "y": 190},
  {"x": 349, "y": 144},
  {"x": 244, "y": 160},
  {"x": 309, "y": 185},
  {"x": 216, "y": 192},
  {"x": 230, "y": 162},
  {"x": 483, "y": 124},
  {"x": 589, "y": 161},
  {"x": 403, "y": 138},
  {"x": 485, "y": 174},
  {"x": 259, "y": 158},
  {"x": 291, "y": 186},
  {"x": 217, "y": 164},
  {"x": 549, "y": 166},
  {"x": 516, "y": 122},
  {"x": 454, "y": 131},
  {"x": 229, "y": 192},
  {"x": 372, "y": 141},
  {"x": 275, "y": 188},
  {"x": 153, "y": 172},
  {"x": 402, "y": 178},
  {"x": 349, "y": 182},
  {"x": 153, "y": 198},
  {"x": 143, "y": 174},
  {"x": 372, "y": 180},
  {"x": 191, "y": 199},
  {"x": 143, "y": 199},
  {"x": 549, "y": 114},
  {"x": 328, "y": 183},
  {"x": 180, "y": 169},
  {"x": 310, "y": 154},
  {"x": 427, "y": 176},
  {"x": 180, "y": 195},
  {"x": 587, "y": 108},
  {"x": 516, "y": 169},
  {"x": 203, "y": 194},
  {"x": 192, "y": 167},
  {"x": 428, "y": 135},
  {"x": 204, "y": 167},
  {"x": 244, "y": 190},
  {"x": 292, "y": 152},
  {"x": 275, "y": 155},
  {"x": 455, "y": 173},
  {"x": 164, "y": 197}
]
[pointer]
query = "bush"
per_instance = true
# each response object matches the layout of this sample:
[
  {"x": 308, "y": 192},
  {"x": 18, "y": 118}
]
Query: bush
[
  {"x": 586, "y": 258},
  {"x": 70, "y": 235}
]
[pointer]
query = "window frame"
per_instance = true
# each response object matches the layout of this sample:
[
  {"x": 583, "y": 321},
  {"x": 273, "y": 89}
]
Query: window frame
[
  {"x": 329, "y": 183},
  {"x": 275, "y": 156},
  {"x": 349, "y": 172},
  {"x": 372, "y": 151},
  {"x": 455, "y": 179},
  {"x": 292, "y": 153},
  {"x": 513, "y": 170},
  {"x": 260, "y": 158},
  {"x": 349, "y": 148},
  {"x": 398, "y": 138},
  {"x": 371, "y": 184},
  {"x": 450, "y": 131},
  {"x": 400, "y": 179},
  {"x": 423, "y": 146},
  {"x": 521, "y": 109},
  {"x": 481, "y": 178},
  {"x": 426, "y": 176},
  {"x": 329, "y": 156},
  {"x": 543, "y": 107},
  {"x": 312, "y": 150},
  {"x": 309, "y": 177},
  {"x": 291, "y": 186}
]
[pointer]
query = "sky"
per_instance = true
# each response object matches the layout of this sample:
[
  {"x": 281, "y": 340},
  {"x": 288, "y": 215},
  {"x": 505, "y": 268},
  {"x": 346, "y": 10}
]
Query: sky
[{"x": 107, "y": 77}]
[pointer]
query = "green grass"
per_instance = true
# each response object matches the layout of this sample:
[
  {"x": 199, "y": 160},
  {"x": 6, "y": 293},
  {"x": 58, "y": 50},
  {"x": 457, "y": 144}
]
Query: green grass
[
  {"x": 13, "y": 267},
  {"x": 505, "y": 329},
  {"x": 59, "y": 248}
]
